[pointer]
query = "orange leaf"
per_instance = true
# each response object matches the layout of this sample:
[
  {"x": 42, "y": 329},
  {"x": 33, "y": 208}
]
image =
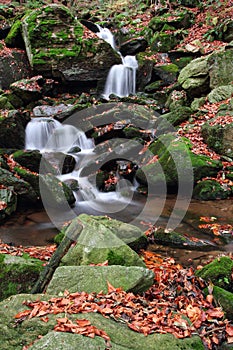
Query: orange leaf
[
  {"x": 83, "y": 323},
  {"x": 229, "y": 330},
  {"x": 23, "y": 314}
]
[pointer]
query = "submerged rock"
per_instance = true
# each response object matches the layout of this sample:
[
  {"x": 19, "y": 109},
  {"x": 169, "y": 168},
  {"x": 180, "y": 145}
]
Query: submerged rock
[{"x": 94, "y": 279}]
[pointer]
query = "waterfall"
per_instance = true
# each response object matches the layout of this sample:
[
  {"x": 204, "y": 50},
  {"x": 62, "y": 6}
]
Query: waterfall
[
  {"x": 48, "y": 134},
  {"x": 121, "y": 79}
]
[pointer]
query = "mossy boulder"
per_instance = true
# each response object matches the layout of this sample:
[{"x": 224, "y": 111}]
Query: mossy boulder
[
  {"x": 178, "y": 115},
  {"x": 177, "y": 165},
  {"x": 225, "y": 300},
  {"x": 15, "y": 336},
  {"x": 28, "y": 159},
  {"x": 205, "y": 73},
  {"x": 220, "y": 93},
  {"x": 207, "y": 190},
  {"x": 55, "y": 193},
  {"x": 24, "y": 191},
  {"x": 58, "y": 46},
  {"x": 12, "y": 129},
  {"x": 18, "y": 274},
  {"x": 177, "y": 239},
  {"x": 99, "y": 242},
  {"x": 178, "y": 20},
  {"x": 220, "y": 68},
  {"x": 8, "y": 200},
  {"x": 219, "y": 272},
  {"x": 163, "y": 42},
  {"x": 218, "y": 137},
  {"x": 94, "y": 279}
]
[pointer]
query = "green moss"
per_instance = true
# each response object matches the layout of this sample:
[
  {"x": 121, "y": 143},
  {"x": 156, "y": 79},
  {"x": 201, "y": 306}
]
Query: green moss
[
  {"x": 14, "y": 33},
  {"x": 210, "y": 190},
  {"x": 170, "y": 68},
  {"x": 115, "y": 259},
  {"x": 225, "y": 300},
  {"x": 18, "y": 274},
  {"x": 218, "y": 272}
]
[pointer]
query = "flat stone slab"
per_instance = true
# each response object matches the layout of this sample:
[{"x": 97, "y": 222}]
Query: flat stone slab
[{"x": 94, "y": 279}]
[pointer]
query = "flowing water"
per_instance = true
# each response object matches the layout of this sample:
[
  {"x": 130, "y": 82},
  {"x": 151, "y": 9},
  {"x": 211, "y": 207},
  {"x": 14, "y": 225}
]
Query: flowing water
[
  {"x": 121, "y": 79},
  {"x": 34, "y": 227}
]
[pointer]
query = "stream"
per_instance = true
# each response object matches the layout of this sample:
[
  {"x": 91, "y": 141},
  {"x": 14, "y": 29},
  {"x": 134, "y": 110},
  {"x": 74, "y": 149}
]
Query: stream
[{"x": 34, "y": 228}]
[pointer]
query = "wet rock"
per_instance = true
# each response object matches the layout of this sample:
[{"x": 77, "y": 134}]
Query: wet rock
[
  {"x": 13, "y": 67},
  {"x": 54, "y": 192},
  {"x": 72, "y": 57},
  {"x": 133, "y": 46},
  {"x": 94, "y": 279},
  {"x": 176, "y": 239},
  {"x": 28, "y": 159},
  {"x": 12, "y": 129}
]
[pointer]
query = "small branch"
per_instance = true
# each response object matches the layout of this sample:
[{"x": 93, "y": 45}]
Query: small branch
[{"x": 71, "y": 236}]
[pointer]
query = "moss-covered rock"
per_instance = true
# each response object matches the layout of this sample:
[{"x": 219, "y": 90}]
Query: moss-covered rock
[
  {"x": 220, "y": 68},
  {"x": 24, "y": 191},
  {"x": 220, "y": 93},
  {"x": 218, "y": 137},
  {"x": 174, "y": 118},
  {"x": 15, "y": 336},
  {"x": 28, "y": 159},
  {"x": 99, "y": 242},
  {"x": 177, "y": 165},
  {"x": 55, "y": 193},
  {"x": 18, "y": 274},
  {"x": 163, "y": 42},
  {"x": 57, "y": 46},
  {"x": 14, "y": 37},
  {"x": 219, "y": 272},
  {"x": 94, "y": 279},
  {"x": 225, "y": 300},
  {"x": 210, "y": 190},
  {"x": 177, "y": 239}
]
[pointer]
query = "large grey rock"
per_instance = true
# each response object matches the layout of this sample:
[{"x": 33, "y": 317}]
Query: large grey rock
[
  {"x": 219, "y": 137},
  {"x": 68, "y": 341},
  {"x": 205, "y": 73},
  {"x": 94, "y": 279},
  {"x": 12, "y": 129},
  {"x": 220, "y": 93},
  {"x": 98, "y": 243},
  {"x": 14, "y": 336},
  {"x": 58, "y": 46}
]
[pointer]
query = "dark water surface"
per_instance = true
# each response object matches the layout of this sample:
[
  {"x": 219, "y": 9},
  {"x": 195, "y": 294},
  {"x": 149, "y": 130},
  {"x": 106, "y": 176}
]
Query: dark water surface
[{"x": 34, "y": 228}]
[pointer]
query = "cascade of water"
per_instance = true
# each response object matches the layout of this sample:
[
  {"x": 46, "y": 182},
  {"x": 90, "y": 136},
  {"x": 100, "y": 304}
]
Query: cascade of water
[
  {"x": 121, "y": 79},
  {"x": 38, "y": 132},
  {"x": 48, "y": 134}
]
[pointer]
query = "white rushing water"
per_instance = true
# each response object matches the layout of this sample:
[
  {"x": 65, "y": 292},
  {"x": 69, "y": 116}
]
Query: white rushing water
[
  {"x": 50, "y": 136},
  {"x": 47, "y": 134},
  {"x": 121, "y": 79}
]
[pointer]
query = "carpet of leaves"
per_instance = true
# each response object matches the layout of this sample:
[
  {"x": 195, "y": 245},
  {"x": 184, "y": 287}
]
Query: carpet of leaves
[
  {"x": 191, "y": 129},
  {"x": 174, "y": 304}
]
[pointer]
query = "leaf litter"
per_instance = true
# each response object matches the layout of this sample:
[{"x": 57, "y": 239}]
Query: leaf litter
[{"x": 175, "y": 304}]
